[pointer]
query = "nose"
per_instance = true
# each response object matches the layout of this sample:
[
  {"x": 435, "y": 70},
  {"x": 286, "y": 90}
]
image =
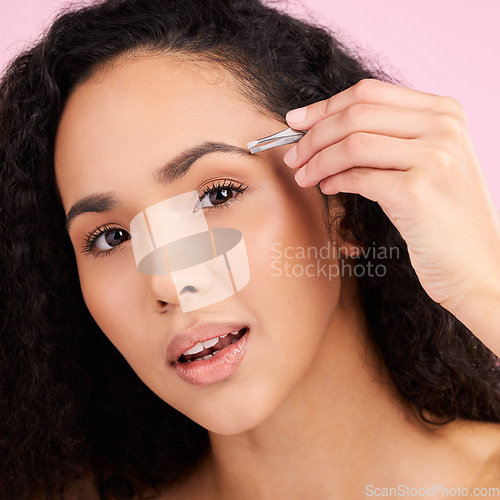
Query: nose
[
  {"x": 174, "y": 288},
  {"x": 162, "y": 293},
  {"x": 191, "y": 288}
]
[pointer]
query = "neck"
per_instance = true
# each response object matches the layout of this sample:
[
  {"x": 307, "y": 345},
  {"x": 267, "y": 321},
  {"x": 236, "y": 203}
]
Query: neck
[{"x": 333, "y": 432}]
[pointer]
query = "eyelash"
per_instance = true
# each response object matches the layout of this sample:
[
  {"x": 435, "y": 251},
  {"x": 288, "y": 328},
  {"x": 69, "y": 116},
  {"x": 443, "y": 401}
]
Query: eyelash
[
  {"x": 92, "y": 236},
  {"x": 226, "y": 184}
]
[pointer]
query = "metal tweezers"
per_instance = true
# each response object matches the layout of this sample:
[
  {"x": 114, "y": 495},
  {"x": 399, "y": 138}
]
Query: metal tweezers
[{"x": 287, "y": 136}]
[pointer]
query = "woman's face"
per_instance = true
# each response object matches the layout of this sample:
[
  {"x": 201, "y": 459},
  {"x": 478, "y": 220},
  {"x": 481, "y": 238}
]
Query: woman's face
[{"x": 121, "y": 126}]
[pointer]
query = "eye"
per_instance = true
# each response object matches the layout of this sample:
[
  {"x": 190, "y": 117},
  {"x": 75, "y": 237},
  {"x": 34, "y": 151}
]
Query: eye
[
  {"x": 111, "y": 239},
  {"x": 219, "y": 194},
  {"x": 104, "y": 240}
]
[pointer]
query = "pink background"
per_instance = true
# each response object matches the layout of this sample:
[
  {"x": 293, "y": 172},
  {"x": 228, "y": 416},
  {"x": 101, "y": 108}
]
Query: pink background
[{"x": 446, "y": 47}]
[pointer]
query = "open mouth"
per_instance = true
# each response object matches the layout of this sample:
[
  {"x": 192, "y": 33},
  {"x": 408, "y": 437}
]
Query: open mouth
[{"x": 210, "y": 348}]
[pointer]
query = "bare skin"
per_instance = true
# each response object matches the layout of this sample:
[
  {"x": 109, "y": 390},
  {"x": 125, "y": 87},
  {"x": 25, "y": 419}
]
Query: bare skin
[
  {"x": 357, "y": 432},
  {"x": 310, "y": 412}
]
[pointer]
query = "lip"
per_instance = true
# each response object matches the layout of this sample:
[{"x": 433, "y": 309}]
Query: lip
[
  {"x": 213, "y": 370},
  {"x": 201, "y": 332}
]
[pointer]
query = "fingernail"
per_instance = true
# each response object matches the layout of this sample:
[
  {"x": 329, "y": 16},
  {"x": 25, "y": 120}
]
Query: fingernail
[
  {"x": 296, "y": 115},
  {"x": 290, "y": 156},
  {"x": 300, "y": 175}
]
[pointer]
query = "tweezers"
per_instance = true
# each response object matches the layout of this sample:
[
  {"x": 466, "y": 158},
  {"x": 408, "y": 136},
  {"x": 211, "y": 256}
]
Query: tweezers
[{"x": 287, "y": 136}]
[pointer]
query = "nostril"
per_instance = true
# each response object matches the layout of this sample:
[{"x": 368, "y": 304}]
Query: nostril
[{"x": 188, "y": 289}]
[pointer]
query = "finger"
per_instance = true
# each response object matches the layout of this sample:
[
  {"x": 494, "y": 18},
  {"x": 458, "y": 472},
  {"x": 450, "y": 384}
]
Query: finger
[
  {"x": 382, "y": 186},
  {"x": 367, "y": 91},
  {"x": 361, "y": 150},
  {"x": 373, "y": 118}
]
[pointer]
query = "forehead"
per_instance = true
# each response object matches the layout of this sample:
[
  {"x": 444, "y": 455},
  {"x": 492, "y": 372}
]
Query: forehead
[
  {"x": 133, "y": 83},
  {"x": 144, "y": 109}
]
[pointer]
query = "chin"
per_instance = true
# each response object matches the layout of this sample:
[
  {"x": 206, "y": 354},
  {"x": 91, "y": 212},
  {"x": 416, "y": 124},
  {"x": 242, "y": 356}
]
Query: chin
[
  {"x": 240, "y": 414},
  {"x": 229, "y": 426}
]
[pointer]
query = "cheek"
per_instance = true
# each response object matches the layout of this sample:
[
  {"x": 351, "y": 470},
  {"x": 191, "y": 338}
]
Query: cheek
[
  {"x": 284, "y": 282},
  {"x": 113, "y": 294}
]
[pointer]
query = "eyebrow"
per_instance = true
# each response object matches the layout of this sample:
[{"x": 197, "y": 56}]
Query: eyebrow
[
  {"x": 170, "y": 172},
  {"x": 180, "y": 165},
  {"x": 91, "y": 203}
]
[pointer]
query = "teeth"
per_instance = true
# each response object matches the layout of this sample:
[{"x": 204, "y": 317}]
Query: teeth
[
  {"x": 194, "y": 350},
  {"x": 230, "y": 333},
  {"x": 210, "y": 343},
  {"x": 207, "y": 344},
  {"x": 208, "y": 356}
]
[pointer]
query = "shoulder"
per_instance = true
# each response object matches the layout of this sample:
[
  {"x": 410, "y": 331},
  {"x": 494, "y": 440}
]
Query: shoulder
[
  {"x": 194, "y": 485},
  {"x": 478, "y": 444}
]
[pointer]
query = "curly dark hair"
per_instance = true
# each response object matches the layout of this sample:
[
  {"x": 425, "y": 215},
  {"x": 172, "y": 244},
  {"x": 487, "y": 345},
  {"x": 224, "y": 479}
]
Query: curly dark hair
[{"x": 71, "y": 406}]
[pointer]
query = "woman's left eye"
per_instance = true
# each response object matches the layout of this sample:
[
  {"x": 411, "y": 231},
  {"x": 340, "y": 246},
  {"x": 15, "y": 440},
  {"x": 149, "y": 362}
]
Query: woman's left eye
[{"x": 219, "y": 194}]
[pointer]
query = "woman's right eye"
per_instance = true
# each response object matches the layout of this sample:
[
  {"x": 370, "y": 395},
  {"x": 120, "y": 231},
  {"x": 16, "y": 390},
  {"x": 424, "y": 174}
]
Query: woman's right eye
[{"x": 104, "y": 240}]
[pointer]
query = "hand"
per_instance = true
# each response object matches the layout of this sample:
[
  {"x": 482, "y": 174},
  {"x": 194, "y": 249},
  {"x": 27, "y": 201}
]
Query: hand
[{"x": 412, "y": 153}]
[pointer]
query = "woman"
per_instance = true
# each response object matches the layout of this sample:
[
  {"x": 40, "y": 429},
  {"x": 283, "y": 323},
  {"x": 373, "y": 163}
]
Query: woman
[{"x": 334, "y": 385}]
